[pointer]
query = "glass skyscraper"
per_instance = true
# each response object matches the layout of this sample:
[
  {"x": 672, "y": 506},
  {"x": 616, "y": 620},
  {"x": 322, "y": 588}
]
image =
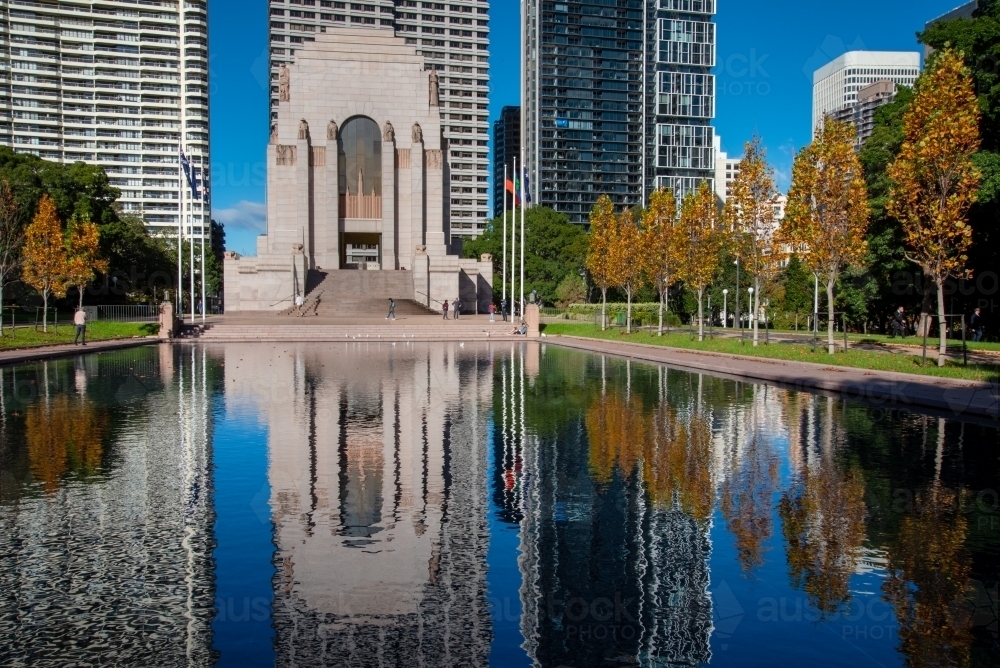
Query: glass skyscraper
[{"x": 618, "y": 100}]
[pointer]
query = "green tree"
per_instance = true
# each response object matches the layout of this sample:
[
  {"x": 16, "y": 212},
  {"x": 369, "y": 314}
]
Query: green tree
[
  {"x": 798, "y": 288},
  {"x": 554, "y": 249}
]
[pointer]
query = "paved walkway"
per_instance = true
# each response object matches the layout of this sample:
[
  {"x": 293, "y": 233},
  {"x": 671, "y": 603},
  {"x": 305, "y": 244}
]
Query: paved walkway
[
  {"x": 950, "y": 397},
  {"x": 23, "y": 355}
]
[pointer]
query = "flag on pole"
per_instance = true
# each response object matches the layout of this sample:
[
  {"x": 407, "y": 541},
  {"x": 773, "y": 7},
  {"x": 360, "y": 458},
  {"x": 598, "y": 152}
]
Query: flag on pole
[
  {"x": 527, "y": 187},
  {"x": 512, "y": 188},
  {"x": 189, "y": 175}
]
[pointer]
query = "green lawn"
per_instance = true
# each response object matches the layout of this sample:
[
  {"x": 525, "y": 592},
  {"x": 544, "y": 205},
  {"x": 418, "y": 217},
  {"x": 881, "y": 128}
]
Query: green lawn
[
  {"x": 27, "y": 337},
  {"x": 794, "y": 352}
]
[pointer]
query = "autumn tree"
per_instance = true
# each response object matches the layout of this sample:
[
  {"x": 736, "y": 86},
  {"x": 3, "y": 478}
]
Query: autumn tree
[
  {"x": 702, "y": 243},
  {"x": 83, "y": 246},
  {"x": 828, "y": 208},
  {"x": 11, "y": 238},
  {"x": 603, "y": 231},
  {"x": 658, "y": 243},
  {"x": 626, "y": 262},
  {"x": 749, "y": 214},
  {"x": 935, "y": 181},
  {"x": 45, "y": 255}
]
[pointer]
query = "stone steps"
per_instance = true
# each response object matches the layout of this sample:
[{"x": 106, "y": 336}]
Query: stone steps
[{"x": 444, "y": 332}]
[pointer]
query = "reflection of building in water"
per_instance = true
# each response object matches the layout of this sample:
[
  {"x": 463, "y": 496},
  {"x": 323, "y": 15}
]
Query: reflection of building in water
[
  {"x": 105, "y": 515},
  {"x": 378, "y": 495},
  {"x": 610, "y": 575}
]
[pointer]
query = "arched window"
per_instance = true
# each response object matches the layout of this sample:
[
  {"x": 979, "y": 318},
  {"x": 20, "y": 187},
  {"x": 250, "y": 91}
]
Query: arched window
[{"x": 360, "y": 157}]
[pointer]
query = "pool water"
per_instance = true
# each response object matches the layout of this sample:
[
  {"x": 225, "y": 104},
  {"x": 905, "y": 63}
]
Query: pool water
[{"x": 365, "y": 504}]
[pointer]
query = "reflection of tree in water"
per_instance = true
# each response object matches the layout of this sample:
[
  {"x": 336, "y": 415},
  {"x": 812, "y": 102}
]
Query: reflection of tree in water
[
  {"x": 746, "y": 499},
  {"x": 928, "y": 582},
  {"x": 823, "y": 513},
  {"x": 64, "y": 434}
]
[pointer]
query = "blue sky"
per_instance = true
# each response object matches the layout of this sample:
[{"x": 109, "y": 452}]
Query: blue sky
[{"x": 767, "y": 52}]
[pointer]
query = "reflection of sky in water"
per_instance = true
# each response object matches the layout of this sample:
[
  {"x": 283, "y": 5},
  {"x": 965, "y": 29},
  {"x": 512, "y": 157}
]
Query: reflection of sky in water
[{"x": 369, "y": 505}]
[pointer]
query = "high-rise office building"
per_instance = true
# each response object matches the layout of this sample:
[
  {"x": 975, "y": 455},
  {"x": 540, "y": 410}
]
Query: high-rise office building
[
  {"x": 618, "y": 100},
  {"x": 836, "y": 84},
  {"x": 453, "y": 39},
  {"x": 862, "y": 112},
  {"x": 117, "y": 83},
  {"x": 506, "y": 147}
]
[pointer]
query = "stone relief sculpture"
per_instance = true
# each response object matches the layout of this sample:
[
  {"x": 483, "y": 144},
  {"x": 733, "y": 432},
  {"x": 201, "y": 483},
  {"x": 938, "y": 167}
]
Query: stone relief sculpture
[
  {"x": 332, "y": 131},
  {"x": 303, "y": 129},
  {"x": 435, "y": 89},
  {"x": 418, "y": 134},
  {"x": 274, "y": 134},
  {"x": 433, "y": 159},
  {"x": 388, "y": 132},
  {"x": 284, "y": 84},
  {"x": 284, "y": 154}
]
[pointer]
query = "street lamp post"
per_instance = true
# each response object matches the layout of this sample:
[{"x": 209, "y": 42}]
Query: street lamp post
[
  {"x": 725, "y": 304},
  {"x": 737, "y": 295}
]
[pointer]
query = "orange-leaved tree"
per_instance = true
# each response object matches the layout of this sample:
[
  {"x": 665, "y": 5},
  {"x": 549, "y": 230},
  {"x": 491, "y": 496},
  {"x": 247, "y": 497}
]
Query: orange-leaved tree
[
  {"x": 700, "y": 229},
  {"x": 934, "y": 179},
  {"x": 45, "y": 255},
  {"x": 658, "y": 242},
  {"x": 749, "y": 214},
  {"x": 83, "y": 245},
  {"x": 828, "y": 208},
  {"x": 603, "y": 230},
  {"x": 627, "y": 260}
]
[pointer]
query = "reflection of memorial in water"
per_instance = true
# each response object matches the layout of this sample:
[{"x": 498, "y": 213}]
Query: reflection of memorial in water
[
  {"x": 378, "y": 495},
  {"x": 105, "y": 512}
]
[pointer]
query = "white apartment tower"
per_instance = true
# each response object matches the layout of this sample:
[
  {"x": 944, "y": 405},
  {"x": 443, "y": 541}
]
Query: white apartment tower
[
  {"x": 118, "y": 83},
  {"x": 836, "y": 84},
  {"x": 453, "y": 38}
]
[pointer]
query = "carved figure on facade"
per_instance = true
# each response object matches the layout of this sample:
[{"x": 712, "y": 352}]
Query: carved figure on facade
[
  {"x": 284, "y": 84},
  {"x": 435, "y": 89},
  {"x": 418, "y": 134},
  {"x": 274, "y": 134},
  {"x": 332, "y": 131},
  {"x": 285, "y": 154},
  {"x": 303, "y": 129},
  {"x": 433, "y": 158},
  {"x": 388, "y": 132}
]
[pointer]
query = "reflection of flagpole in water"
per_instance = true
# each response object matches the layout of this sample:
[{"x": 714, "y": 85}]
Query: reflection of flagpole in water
[
  {"x": 187, "y": 455},
  {"x": 524, "y": 432},
  {"x": 502, "y": 464}
]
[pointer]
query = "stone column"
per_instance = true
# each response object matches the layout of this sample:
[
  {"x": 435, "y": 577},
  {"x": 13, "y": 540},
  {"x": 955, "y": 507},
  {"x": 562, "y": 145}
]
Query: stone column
[
  {"x": 389, "y": 261},
  {"x": 418, "y": 219},
  {"x": 332, "y": 221},
  {"x": 434, "y": 194},
  {"x": 303, "y": 192}
]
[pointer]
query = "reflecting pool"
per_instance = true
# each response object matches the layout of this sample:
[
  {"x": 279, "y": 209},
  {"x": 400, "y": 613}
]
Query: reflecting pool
[{"x": 366, "y": 504}]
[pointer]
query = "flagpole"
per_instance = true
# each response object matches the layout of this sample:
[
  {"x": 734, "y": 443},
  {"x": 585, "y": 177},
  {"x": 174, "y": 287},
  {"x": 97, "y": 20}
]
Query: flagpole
[
  {"x": 180, "y": 234},
  {"x": 524, "y": 203},
  {"x": 513, "y": 244},
  {"x": 503, "y": 289},
  {"x": 191, "y": 250}
]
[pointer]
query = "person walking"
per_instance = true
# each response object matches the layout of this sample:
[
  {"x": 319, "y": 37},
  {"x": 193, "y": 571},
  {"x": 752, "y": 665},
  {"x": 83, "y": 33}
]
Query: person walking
[
  {"x": 503, "y": 309},
  {"x": 444, "y": 309},
  {"x": 392, "y": 309},
  {"x": 457, "y": 306},
  {"x": 899, "y": 323},
  {"x": 976, "y": 325},
  {"x": 80, "y": 320},
  {"x": 493, "y": 310}
]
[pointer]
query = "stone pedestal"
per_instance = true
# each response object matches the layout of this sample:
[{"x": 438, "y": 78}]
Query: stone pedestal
[
  {"x": 169, "y": 325},
  {"x": 533, "y": 318}
]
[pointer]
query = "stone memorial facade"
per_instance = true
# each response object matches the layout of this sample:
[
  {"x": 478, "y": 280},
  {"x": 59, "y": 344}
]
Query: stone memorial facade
[{"x": 357, "y": 179}]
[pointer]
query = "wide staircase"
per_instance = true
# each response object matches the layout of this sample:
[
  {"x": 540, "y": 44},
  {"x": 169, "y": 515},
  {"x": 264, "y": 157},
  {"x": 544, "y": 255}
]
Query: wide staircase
[{"x": 353, "y": 293}]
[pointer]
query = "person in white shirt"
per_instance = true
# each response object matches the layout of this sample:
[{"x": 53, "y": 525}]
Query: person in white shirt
[{"x": 80, "y": 320}]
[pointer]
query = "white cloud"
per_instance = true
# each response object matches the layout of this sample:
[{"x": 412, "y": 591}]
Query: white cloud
[{"x": 243, "y": 216}]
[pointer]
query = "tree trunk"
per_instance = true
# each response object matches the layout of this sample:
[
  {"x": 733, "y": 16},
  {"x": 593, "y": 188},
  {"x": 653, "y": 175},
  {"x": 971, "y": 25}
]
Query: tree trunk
[
  {"x": 81, "y": 288},
  {"x": 942, "y": 323},
  {"x": 45, "y": 311},
  {"x": 666, "y": 300},
  {"x": 604, "y": 308},
  {"x": 628, "y": 313},
  {"x": 754, "y": 310},
  {"x": 829, "y": 313},
  {"x": 701, "y": 315},
  {"x": 659, "y": 330},
  {"x": 2, "y": 277}
]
